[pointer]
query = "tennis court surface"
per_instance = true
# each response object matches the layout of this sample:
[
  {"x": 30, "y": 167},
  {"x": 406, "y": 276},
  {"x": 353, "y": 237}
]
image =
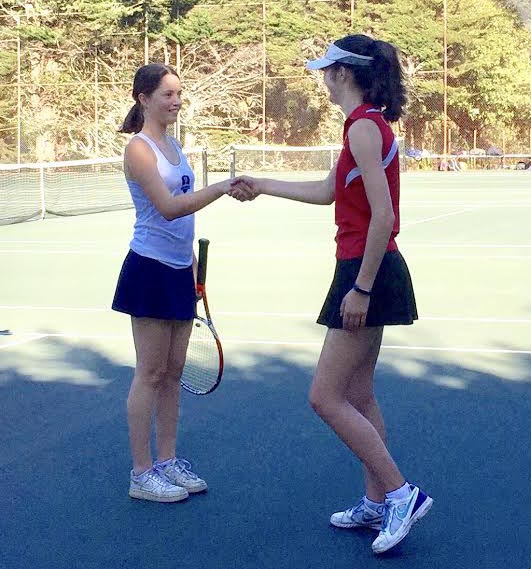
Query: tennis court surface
[{"x": 454, "y": 388}]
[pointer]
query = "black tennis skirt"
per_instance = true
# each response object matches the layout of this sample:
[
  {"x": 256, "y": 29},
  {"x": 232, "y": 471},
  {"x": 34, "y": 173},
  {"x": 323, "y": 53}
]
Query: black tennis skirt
[
  {"x": 392, "y": 300},
  {"x": 148, "y": 288}
]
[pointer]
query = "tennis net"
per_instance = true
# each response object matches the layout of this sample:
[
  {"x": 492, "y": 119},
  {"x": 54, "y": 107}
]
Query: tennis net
[
  {"x": 312, "y": 160},
  {"x": 34, "y": 191}
]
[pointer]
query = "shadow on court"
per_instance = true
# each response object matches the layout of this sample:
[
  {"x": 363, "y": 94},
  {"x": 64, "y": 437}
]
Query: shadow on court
[{"x": 275, "y": 471}]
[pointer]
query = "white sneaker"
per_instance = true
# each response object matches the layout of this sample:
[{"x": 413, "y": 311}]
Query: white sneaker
[
  {"x": 359, "y": 516},
  {"x": 400, "y": 515},
  {"x": 179, "y": 472},
  {"x": 153, "y": 485}
]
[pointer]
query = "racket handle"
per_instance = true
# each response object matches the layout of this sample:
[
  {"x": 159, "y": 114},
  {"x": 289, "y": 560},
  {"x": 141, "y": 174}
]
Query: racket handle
[{"x": 202, "y": 262}]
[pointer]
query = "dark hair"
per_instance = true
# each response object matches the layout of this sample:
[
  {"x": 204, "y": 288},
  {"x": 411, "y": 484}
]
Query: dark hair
[
  {"x": 147, "y": 79},
  {"x": 382, "y": 82}
]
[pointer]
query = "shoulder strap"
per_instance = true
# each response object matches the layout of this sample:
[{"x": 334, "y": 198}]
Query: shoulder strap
[
  {"x": 356, "y": 172},
  {"x": 151, "y": 143}
]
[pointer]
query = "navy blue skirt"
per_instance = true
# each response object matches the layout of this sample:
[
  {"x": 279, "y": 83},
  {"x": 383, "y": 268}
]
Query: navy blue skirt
[
  {"x": 392, "y": 298},
  {"x": 148, "y": 288}
]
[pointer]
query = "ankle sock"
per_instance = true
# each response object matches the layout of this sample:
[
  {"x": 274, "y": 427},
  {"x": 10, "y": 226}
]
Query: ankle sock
[
  {"x": 399, "y": 493},
  {"x": 374, "y": 506},
  {"x": 140, "y": 473}
]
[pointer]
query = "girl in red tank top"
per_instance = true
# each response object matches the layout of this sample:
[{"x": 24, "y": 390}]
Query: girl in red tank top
[
  {"x": 371, "y": 287},
  {"x": 353, "y": 210}
]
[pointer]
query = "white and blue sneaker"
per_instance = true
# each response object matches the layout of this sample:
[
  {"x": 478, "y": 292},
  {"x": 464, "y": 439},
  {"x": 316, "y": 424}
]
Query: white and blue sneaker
[
  {"x": 400, "y": 515},
  {"x": 359, "y": 516}
]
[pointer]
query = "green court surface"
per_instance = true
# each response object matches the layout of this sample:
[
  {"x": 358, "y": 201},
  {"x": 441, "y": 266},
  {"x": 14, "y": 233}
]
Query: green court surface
[{"x": 454, "y": 389}]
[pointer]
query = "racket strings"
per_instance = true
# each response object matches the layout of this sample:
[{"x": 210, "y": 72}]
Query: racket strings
[{"x": 202, "y": 368}]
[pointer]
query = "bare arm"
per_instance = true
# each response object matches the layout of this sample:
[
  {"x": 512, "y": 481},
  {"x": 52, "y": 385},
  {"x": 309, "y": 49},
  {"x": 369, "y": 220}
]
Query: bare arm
[
  {"x": 141, "y": 167},
  {"x": 320, "y": 192},
  {"x": 365, "y": 142}
]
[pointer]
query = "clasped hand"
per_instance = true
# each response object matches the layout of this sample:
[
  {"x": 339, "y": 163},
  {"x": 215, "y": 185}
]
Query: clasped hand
[{"x": 244, "y": 188}]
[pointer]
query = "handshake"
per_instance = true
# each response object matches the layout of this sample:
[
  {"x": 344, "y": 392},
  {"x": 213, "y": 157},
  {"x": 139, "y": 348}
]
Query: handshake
[{"x": 243, "y": 188}]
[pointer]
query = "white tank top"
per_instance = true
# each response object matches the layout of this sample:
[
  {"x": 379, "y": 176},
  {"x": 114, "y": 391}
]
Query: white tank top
[{"x": 170, "y": 242}]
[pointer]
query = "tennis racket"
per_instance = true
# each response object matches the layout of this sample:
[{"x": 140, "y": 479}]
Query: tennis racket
[{"x": 204, "y": 358}]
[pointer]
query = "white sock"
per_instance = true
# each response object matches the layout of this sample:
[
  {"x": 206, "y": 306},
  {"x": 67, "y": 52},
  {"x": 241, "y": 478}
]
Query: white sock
[
  {"x": 400, "y": 493},
  {"x": 372, "y": 505},
  {"x": 140, "y": 473}
]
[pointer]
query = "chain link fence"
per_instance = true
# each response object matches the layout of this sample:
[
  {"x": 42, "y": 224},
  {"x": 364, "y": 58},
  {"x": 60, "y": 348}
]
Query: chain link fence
[{"x": 65, "y": 100}]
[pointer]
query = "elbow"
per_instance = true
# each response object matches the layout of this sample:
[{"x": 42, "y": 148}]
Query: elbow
[
  {"x": 328, "y": 198},
  {"x": 385, "y": 220},
  {"x": 168, "y": 215}
]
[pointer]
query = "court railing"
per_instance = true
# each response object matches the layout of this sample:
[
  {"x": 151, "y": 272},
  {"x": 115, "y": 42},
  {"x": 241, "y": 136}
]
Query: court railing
[{"x": 464, "y": 161}]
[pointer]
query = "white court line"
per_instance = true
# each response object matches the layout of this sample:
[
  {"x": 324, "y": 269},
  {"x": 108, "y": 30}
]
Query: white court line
[
  {"x": 263, "y": 254},
  {"x": 460, "y": 246},
  {"x": 469, "y": 209},
  {"x": 64, "y": 252},
  {"x": 32, "y": 338},
  {"x": 422, "y": 203},
  {"x": 452, "y": 213},
  {"x": 52, "y": 241},
  {"x": 298, "y": 244},
  {"x": 237, "y": 341},
  {"x": 260, "y": 314}
]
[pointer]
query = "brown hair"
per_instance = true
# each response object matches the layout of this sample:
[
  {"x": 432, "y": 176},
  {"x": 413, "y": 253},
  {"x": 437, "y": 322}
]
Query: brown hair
[
  {"x": 147, "y": 79},
  {"x": 382, "y": 82}
]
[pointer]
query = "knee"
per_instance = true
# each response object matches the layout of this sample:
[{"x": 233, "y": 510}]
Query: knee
[
  {"x": 321, "y": 402},
  {"x": 174, "y": 372},
  {"x": 363, "y": 402},
  {"x": 154, "y": 376}
]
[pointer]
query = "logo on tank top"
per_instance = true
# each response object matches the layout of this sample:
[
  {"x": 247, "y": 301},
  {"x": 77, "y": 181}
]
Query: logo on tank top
[{"x": 185, "y": 184}]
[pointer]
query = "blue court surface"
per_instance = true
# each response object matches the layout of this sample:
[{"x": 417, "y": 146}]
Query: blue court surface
[{"x": 454, "y": 389}]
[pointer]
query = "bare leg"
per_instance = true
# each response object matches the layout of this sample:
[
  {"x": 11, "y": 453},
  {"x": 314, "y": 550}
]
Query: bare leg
[
  {"x": 342, "y": 355},
  {"x": 152, "y": 343},
  {"x": 167, "y": 402},
  {"x": 360, "y": 394}
]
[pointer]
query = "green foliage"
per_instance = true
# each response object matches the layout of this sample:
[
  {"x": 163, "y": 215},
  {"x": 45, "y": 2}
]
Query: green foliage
[
  {"x": 66, "y": 44},
  {"x": 45, "y": 35}
]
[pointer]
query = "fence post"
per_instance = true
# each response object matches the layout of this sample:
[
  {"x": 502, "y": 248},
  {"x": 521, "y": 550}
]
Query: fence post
[
  {"x": 204, "y": 159},
  {"x": 232, "y": 164},
  {"x": 42, "y": 191}
]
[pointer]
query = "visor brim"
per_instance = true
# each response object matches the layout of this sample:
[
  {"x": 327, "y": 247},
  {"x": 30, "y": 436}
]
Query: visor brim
[{"x": 319, "y": 63}]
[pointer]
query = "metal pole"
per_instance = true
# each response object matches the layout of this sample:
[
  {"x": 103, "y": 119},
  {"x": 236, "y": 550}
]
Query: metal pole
[
  {"x": 96, "y": 104},
  {"x": 178, "y": 69},
  {"x": 264, "y": 71},
  {"x": 351, "y": 14},
  {"x": 146, "y": 39},
  {"x": 19, "y": 93},
  {"x": 445, "y": 75}
]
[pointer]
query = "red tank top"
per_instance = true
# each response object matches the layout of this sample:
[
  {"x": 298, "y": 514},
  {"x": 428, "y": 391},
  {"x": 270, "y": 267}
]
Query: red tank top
[{"x": 353, "y": 212}]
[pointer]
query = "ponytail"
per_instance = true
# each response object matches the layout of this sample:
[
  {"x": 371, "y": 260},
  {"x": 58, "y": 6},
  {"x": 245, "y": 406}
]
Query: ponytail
[
  {"x": 134, "y": 121},
  {"x": 382, "y": 81},
  {"x": 387, "y": 90}
]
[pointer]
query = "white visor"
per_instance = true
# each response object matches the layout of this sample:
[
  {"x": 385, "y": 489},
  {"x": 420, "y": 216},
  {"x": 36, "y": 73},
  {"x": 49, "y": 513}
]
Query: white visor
[{"x": 335, "y": 54}]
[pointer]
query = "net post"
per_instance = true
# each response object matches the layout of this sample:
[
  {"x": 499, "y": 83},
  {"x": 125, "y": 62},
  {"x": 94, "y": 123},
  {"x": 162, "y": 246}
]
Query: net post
[
  {"x": 204, "y": 159},
  {"x": 232, "y": 165},
  {"x": 331, "y": 158},
  {"x": 42, "y": 191}
]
